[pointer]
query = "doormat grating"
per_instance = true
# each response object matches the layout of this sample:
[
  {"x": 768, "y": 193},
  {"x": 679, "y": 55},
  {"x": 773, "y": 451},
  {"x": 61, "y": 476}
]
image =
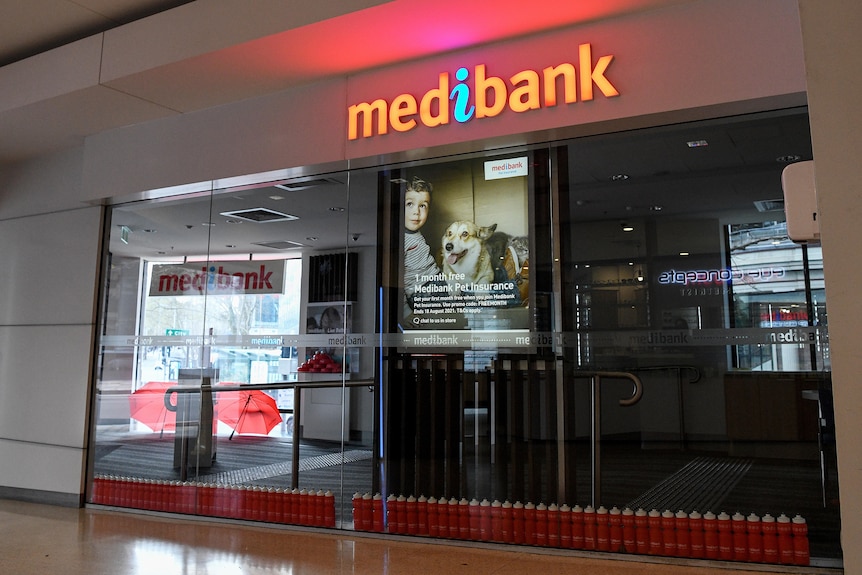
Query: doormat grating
[
  {"x": 284, "y": 467},
  {"x": 702, "y": 484}
]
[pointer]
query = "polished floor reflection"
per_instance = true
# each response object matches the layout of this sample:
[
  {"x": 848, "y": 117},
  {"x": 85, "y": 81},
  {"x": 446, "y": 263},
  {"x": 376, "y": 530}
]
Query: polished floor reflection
[{"x": 46, "y": 539}]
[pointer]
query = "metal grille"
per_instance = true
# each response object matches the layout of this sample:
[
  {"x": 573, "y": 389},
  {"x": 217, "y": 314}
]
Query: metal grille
[
  {"x": 284, "y": 467},
  {"x": 702, "y": 484}
]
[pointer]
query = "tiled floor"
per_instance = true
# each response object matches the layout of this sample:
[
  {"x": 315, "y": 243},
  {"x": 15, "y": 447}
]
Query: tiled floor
[{"x": 46, "y": 540}]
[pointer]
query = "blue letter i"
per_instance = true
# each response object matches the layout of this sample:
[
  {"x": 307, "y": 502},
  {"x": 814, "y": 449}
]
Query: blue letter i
[{"x": 461, "y": 95}]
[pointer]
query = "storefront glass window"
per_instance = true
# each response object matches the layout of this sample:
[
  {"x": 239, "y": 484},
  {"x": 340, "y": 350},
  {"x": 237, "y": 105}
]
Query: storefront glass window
[{"x": 604, "y": 324}]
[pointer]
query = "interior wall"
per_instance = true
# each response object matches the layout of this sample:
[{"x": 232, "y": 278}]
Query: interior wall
[
  {"x": 833, "y": 49},
  {"x": 47, "y": 311}
]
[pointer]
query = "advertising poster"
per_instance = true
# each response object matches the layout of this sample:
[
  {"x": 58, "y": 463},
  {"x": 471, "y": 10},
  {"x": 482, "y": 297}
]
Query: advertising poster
[{"x": 466, "y": 245}]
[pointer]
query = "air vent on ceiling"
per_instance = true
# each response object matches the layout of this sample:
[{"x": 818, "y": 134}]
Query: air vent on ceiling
[
  {"x": 296, "y": 185},
  {"x": 280, "y": 245},
  {"x": 769, "y": 205},
  {"x": 260, "y": 215}
]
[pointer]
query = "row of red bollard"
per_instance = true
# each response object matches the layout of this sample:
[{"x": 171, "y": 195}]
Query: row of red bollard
[
  {"x": 253, "y": 503},
  {"x": 691, "y": 535}
]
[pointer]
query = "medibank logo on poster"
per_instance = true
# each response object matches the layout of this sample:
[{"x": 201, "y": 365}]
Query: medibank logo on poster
[
  {"x": 480, "y": 95},
  {"x": 509, "y": 168},
  {"x": 217, "y": 278}
]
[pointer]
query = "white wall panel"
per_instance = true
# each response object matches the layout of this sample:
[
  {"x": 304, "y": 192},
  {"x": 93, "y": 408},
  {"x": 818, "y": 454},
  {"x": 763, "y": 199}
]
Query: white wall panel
[
  {"x": 46, "y": 468},
  {"x": 55, "y": 180},
  {"x": 49, "y": 278},
  {"x": 44, "y": 377}
]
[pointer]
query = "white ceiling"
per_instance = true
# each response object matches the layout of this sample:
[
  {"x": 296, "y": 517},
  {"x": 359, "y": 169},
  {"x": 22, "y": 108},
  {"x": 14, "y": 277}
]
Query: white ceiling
[{"x": 34, "y": 26}]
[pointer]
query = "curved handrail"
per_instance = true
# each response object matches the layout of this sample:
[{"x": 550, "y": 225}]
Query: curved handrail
[
  {"x": 637, "y": 392},
  {"x": 596, "y": 420}
]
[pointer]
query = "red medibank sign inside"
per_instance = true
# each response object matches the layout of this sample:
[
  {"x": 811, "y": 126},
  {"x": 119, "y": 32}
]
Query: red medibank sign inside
[
  {"x": 214, "y": 278},
  {"x": 482, "y": 95}
]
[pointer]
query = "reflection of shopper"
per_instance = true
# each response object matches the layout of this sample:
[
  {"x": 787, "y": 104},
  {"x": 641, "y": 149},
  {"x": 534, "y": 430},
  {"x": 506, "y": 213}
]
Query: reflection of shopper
[{"x": 418, "y": 261}]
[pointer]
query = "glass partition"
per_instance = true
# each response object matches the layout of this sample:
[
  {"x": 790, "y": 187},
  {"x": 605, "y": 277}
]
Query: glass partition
[
  {"x": 515, "y": 346},
  {"x": 225, "y": 315}
]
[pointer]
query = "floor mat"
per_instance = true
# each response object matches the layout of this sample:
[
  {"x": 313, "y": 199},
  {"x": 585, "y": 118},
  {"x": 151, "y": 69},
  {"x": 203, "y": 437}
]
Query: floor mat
[{"x": 702, "y": 484}]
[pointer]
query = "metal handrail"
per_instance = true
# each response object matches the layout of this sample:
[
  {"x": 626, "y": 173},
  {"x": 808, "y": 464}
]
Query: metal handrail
[
  {"x": 596, "y": 421},
  {"x": 297, "y": 386}
]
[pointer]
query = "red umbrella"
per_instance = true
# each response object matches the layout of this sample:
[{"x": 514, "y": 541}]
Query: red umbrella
[
  {"x": 147, "y": 405},
  {"x": 248, "y": 411}
]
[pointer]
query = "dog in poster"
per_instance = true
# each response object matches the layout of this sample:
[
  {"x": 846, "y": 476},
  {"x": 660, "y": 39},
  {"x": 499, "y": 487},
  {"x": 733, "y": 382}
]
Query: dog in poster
[{"x": 465, "y": 254}]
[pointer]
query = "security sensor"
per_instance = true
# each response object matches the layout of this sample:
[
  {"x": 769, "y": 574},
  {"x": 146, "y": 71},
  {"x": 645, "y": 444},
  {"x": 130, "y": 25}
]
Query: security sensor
[
  {"x": 355, "y": 237},
  {"x": 800, "y": 202}
]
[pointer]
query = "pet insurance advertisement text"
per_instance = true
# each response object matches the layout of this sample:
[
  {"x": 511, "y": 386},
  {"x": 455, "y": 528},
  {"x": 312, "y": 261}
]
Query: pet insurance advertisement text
[{"x": 466, "y": 245}]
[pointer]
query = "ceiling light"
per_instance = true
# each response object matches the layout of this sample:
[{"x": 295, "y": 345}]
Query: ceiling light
[
  {"x": 619, "y": 177},
  {"x": 627, "y": 227},
  {"x": 232, "y": 221},
  {"x": 769, "y": 205},
  {"x": 280, "y": 244},
  {"x": 312, "y": 238},
  {"x": 276, "y": 198},
  {"x": 683, "y": 253},
  {"x": 208, "y": 224},
  {"x": 305, "y": 183},
  {"x": 336, "y": 209},
  {"x": 697, "y": 143},
  {"x": 260, "y": 215}
]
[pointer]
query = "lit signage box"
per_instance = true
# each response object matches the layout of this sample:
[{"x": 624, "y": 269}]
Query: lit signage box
[
  {"x": 476, "y": 94},
  {"x": 217, "y": 278},
  {"x": 465, "y": 264},
  {"x": 509, "y": 168}
]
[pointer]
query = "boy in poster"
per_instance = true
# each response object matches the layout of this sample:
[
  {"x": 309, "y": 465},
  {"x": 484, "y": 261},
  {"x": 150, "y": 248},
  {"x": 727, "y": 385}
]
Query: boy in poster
[{"x": 418, "y": 261}]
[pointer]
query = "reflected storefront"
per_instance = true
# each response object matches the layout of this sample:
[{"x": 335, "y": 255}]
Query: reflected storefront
[{"x": 581, "y": 344}]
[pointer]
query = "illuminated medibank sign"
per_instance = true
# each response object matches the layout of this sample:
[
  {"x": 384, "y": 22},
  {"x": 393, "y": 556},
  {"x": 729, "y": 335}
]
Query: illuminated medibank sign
[{"x": 476, "y": 94}]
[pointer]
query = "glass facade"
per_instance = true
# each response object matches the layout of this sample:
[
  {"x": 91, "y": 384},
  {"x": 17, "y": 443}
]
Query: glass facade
[{"x": 491, "y": 347}]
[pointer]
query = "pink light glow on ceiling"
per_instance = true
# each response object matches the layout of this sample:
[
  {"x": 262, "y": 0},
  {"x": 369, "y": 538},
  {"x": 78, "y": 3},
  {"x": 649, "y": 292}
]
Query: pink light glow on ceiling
[{"x": 408, "y": 29}]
